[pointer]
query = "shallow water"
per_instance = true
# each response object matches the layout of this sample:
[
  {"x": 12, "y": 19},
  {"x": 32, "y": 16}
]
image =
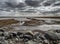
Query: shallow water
[{"x": 43, "y": 27}]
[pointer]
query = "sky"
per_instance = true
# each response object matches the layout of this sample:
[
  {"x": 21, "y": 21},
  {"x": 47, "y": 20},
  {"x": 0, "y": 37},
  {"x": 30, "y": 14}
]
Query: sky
[{"x": 41, "y": 8}]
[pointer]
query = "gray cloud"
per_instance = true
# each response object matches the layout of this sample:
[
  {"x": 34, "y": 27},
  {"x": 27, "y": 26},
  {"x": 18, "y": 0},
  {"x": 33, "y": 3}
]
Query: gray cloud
[{"x": 26, "y": 5}]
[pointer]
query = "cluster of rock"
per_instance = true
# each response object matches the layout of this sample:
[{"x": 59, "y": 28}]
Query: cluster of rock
[{"x": 28, "y": 37}]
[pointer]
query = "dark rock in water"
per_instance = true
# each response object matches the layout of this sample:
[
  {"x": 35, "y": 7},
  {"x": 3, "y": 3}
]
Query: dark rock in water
[
  {"x": 8, "y": 37},
  {"x": 30, "y": 34},
  {"x": 58, "y": 31},
  {"x": 51, "y": 36},
  {"x": 33, "y": 3},
  {"x": 19, "y": 33},
  {"x": 27, "y": 36},
  {"x": 0, "y": 43},
  {"x": 38, "y": 37},
  {"x": 11, "y": 35},
  {"x": 1, "y": 30},
  {"x": 14, "y": 34},
  {"x": 58, "y": 36},
  {"x": 1, "y": 34}
]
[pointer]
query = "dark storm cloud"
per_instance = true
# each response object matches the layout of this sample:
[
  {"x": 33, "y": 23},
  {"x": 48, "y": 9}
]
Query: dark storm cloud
[
  {"x": 48, "y": 2},
  {"x": 33, "y": 3}
]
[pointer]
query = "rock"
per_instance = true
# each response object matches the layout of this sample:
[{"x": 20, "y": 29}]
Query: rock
[
  {"x": 1, "y": 30},
  {"x": 27, "y": 36},
  {"x": 13, "y": 35},
  {"x": 51, "y": 36}
]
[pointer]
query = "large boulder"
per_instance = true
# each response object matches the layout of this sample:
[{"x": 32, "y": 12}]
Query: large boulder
[{"x": 51, "y": 36}]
